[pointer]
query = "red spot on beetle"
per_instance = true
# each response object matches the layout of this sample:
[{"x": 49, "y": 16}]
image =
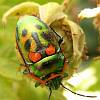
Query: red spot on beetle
[
  {"x": 50, "y": 50},
  {"x": 34, "y": 57}
]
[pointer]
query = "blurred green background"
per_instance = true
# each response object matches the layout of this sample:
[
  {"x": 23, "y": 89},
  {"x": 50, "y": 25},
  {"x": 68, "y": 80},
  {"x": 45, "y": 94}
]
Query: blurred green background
[{"x": 13, "y": 86}]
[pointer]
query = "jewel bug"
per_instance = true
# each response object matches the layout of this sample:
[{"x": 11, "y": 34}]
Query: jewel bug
[{"x": 40, "y": 51}]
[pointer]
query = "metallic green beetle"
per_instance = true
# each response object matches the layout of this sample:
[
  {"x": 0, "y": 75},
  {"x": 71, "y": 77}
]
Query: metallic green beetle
[{"x": 39, "y": 49}]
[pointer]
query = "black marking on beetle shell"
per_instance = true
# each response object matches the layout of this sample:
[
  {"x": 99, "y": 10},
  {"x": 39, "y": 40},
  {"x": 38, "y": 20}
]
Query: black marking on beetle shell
[
  {"x": 24, "y": 32},
  {"x": 46, "y": 36},
  {"x": 17, "y": 37},
  {"x": 35, "y": 37},
  {"x": 28, "y": 44},
  {"x": 38, "y": 26}
]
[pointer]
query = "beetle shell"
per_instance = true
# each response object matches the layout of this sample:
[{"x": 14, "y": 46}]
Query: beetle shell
[{"x": 39, "y": 46}]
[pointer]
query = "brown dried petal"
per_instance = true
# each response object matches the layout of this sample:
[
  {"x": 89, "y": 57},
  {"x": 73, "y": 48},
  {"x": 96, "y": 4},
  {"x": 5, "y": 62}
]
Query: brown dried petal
[
  {"x": 29, "y": 8},
  {"x": 73, "y": 40},
  {"x": 78, "y": 38},
  {"x": 50, "y": 12},
  {"x": 96, "y": 21}
]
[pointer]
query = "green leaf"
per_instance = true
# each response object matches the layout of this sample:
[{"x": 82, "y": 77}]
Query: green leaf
[
  {"x": 96, "y": 67},
  {"x": 9, "y": 69},
  {"x": 7, "y": 91}
]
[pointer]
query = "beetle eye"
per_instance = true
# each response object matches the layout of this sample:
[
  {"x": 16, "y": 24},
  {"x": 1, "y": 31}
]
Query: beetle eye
[
  {"x": 50, "y": 50},
  {"x": 34, "y": 57}
]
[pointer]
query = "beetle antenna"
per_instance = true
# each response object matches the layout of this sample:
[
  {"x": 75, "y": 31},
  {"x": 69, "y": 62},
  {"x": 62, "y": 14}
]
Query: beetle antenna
[
  {"x": 50, "y": 94},
  {"x": 77, "y": 93},
  {"x": 60, "y": 38}
]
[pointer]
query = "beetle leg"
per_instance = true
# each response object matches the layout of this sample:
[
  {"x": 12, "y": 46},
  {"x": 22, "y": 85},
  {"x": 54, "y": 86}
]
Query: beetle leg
[
  {"x": 65, "y": 67},
  {"x": 57, "y": 75},
  {"x": 31, "y": 75},
  {"x": 43, "y": 82},
  {"x": 52, "y": 77}
]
